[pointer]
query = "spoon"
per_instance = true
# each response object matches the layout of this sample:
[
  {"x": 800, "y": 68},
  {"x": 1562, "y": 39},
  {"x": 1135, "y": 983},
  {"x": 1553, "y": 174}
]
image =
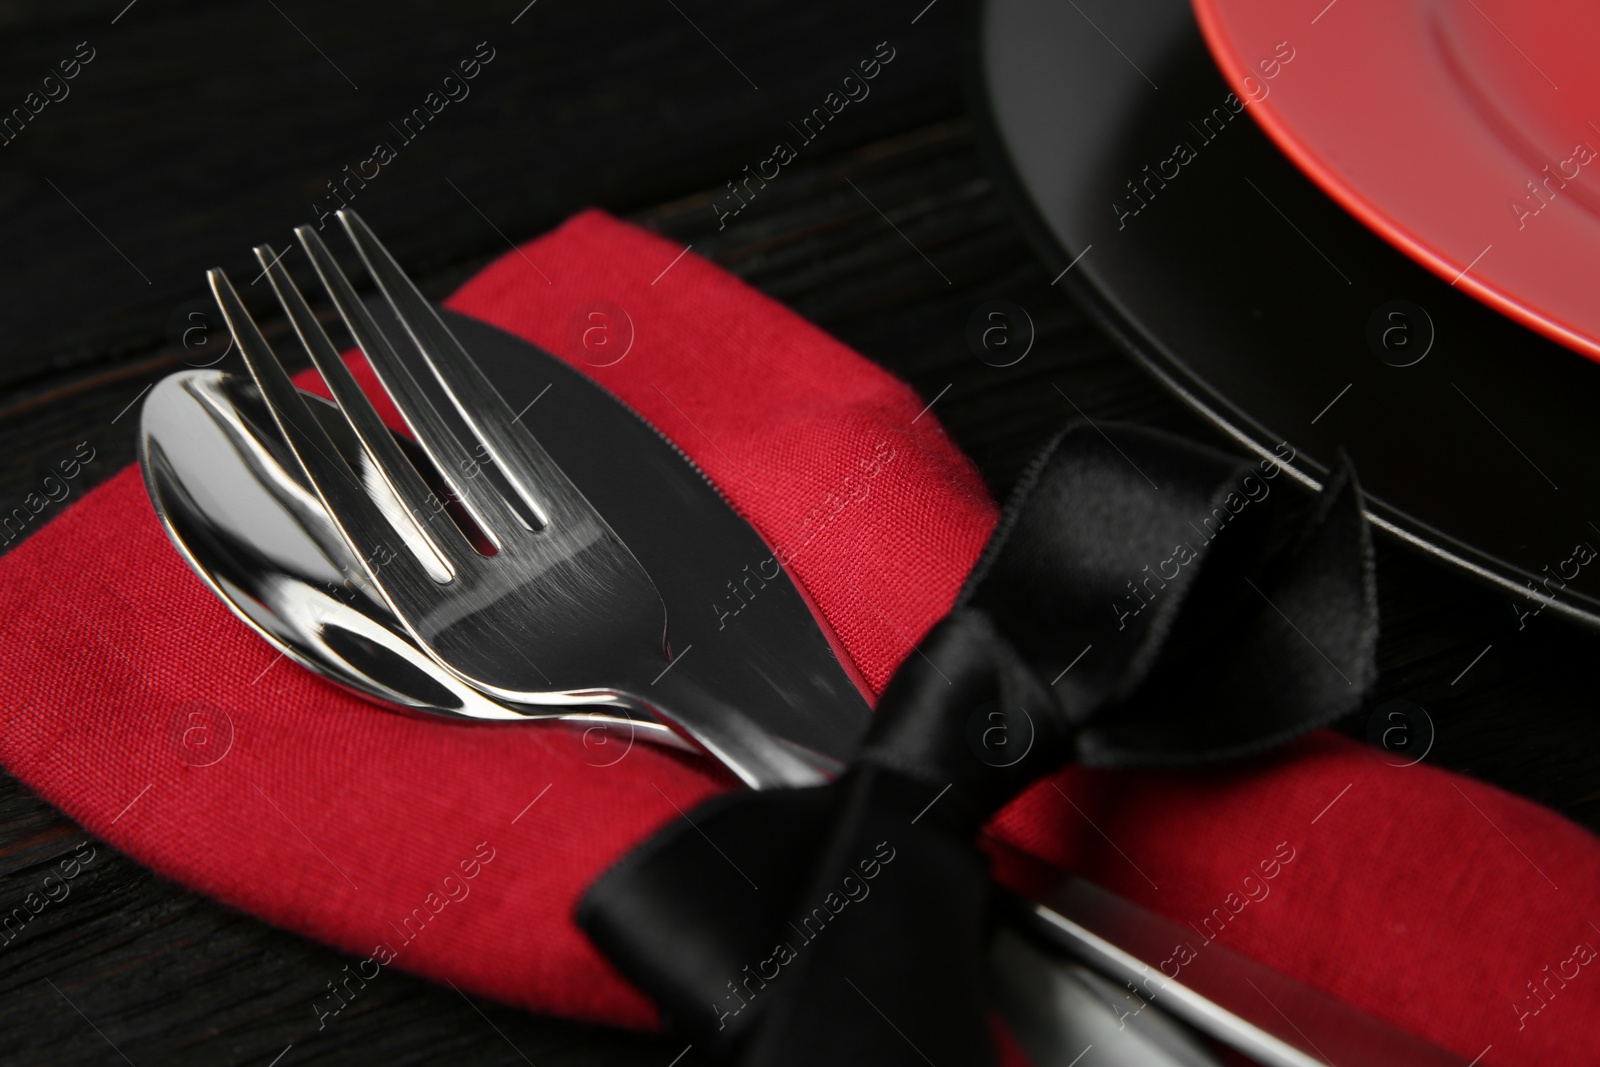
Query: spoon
[{"x": 233, "y": 501}]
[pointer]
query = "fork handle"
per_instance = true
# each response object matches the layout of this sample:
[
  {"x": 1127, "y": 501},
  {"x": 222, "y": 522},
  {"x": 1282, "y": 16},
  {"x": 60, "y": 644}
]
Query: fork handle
[{"x": 728, "y": 735}]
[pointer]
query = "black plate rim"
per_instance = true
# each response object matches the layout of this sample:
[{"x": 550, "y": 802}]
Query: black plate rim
[{"x": 1171, "y": 374}]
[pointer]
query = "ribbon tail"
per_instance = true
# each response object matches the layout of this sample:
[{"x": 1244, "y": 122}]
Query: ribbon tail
[
  {"x": 690, "y": 916},
  {"x": 892, "y": 928}
]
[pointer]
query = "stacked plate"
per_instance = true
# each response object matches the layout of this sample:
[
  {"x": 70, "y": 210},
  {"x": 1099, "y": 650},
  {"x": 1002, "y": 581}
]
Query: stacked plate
[{"x": 1340, "y": 225}]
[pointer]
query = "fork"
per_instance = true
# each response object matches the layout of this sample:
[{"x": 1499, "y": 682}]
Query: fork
[{"x": 555, "y": 609}]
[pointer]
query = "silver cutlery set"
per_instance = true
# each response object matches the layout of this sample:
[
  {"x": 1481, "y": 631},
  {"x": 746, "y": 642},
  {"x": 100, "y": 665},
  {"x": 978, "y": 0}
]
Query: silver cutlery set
[{"x": 552, "y": 564}]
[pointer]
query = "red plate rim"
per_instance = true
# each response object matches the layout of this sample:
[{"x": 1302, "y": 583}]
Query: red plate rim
[{"x": 1523, "y": 308}]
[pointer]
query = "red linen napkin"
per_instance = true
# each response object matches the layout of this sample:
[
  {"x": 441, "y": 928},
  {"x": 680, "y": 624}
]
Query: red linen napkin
[{"x": 458, "y": 851}]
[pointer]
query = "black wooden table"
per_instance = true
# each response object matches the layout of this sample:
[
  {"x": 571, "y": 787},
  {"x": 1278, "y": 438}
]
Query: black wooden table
[{"x": 190, "y": 132}]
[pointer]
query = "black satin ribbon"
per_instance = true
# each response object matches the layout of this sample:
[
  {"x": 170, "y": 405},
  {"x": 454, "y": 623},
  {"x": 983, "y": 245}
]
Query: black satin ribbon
[{"x": 1149, "y": 602}]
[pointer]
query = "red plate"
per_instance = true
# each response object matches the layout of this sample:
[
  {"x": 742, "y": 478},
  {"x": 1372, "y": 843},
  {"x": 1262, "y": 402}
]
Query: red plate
[{"x": 1466, "y": 132}]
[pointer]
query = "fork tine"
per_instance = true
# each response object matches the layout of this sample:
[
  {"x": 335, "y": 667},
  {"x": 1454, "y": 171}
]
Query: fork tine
[
  {"x": 528, "y": 469},
  {"x": 358, "y": 519},
  {"x": 449, "y": 455},
  {"x": 431, "y": 533}
]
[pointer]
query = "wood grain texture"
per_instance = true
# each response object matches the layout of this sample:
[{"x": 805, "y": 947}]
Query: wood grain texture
[{"x": 200, "y": 129}]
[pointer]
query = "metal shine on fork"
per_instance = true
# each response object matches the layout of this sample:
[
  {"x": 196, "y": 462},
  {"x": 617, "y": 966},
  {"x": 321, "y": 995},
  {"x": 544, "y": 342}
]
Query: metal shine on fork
[{"x": 562, "y": 612}]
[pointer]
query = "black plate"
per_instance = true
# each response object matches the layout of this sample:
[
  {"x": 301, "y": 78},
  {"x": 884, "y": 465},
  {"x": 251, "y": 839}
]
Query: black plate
[{"x": 1259, "y": 301}]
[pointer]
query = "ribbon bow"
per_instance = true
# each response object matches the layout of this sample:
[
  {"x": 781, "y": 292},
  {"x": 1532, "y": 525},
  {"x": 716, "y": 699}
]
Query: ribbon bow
[{"x": 1157, "y": 603}]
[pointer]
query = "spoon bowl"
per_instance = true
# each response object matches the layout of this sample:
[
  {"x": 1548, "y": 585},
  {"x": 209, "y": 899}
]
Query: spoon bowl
[{"x": 233, "y": 501}]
